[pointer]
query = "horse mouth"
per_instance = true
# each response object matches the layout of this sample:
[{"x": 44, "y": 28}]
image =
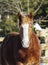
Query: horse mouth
[{"x": 25, "y": 44}]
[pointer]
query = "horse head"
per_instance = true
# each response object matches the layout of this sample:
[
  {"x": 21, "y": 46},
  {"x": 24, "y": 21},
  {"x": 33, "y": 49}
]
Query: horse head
[{"x": 25, "y": 26}]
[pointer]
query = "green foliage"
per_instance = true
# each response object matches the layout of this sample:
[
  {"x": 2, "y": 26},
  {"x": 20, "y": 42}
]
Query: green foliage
[
  {"x": 9, "y": 7},
  {"x": 42, "y": 39},
  {"x": 24, "y": 5},
  {"x": 9, "y": 25},
  {"x": 43, "y": 53}
]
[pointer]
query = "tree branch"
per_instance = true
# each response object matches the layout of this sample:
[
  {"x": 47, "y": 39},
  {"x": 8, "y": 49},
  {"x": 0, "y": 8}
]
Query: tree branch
[
  {"x": 38, "y": 7},
  {"x": 15, "y": 7}
]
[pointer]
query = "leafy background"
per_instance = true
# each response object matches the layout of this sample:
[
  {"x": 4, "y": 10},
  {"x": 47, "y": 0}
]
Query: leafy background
[{"x": 10, "y": 8}]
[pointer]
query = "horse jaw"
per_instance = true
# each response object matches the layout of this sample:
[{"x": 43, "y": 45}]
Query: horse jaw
[{"x": 25, "y": 40}]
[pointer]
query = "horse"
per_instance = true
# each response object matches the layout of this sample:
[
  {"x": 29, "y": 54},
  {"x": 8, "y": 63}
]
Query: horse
[{"x": 23, "y": 47}]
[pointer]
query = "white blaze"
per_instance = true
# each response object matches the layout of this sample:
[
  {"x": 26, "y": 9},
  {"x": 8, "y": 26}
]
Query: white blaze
[{"x": 25, "y": 39}]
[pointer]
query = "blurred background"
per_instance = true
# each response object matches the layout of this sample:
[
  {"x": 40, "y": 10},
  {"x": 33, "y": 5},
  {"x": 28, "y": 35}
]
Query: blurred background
[{"x": 9, "y": 21}]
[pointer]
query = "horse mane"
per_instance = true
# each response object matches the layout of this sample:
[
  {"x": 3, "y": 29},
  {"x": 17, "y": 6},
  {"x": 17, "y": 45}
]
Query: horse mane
[{"x": 36, "y": 43}]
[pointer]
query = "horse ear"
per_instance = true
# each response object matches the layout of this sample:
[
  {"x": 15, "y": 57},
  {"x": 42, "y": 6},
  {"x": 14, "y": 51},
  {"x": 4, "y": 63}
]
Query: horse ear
[
  {"x": 31, "y": 15},
  {"x": 19, "y": 15},
  {"x": 19, "y": 18}
]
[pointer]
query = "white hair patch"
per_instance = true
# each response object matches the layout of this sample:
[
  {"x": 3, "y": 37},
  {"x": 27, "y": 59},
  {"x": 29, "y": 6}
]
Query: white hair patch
[{"x": 25, "y": 40}]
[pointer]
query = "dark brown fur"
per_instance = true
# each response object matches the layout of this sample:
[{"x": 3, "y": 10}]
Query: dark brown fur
[{"x": 13, "y": 52}]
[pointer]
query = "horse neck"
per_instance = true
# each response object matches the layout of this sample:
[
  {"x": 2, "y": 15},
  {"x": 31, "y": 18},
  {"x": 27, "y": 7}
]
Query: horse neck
[{"x": 30, "y": 32}]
